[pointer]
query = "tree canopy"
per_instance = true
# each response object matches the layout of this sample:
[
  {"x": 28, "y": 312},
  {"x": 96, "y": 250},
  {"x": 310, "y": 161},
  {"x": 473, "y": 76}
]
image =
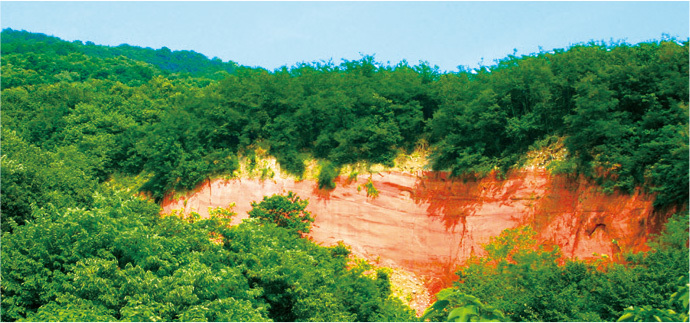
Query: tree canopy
[
  {"x": 77, "y": 246},
  {"x": 622, "y": 109}
]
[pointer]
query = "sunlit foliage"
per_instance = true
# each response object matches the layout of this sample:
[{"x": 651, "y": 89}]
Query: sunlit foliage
[
  {"x": 76, "y": 115},
  {"x": 525, "y": 281}
]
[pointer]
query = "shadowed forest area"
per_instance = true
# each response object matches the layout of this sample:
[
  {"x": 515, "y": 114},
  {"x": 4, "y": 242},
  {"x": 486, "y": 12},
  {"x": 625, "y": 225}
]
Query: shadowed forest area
[{"x": 94, "y": 136}]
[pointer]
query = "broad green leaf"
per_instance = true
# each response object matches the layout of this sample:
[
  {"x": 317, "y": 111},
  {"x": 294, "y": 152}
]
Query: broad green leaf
[{"x": 463, "y": 314}]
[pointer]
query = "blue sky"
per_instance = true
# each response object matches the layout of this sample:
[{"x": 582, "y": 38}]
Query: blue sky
[{"x": 273, "y": 34}]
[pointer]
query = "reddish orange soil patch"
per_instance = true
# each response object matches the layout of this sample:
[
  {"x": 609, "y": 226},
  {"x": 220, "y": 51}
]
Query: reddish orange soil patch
[{"x": 429, "y": 224}]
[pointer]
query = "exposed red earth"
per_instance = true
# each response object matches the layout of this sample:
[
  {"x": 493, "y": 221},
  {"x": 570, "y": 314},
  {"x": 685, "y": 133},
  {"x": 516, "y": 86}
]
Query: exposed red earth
[{"x": 429, "y": 224}]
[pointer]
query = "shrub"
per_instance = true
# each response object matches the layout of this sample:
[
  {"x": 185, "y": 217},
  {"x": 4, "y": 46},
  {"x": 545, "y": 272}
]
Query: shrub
[
  {"x": 285, "y": 211},
  {"x": 326, "y": 176}
]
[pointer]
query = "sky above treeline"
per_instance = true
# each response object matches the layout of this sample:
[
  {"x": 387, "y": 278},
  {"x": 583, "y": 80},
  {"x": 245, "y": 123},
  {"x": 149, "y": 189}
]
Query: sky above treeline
[{"x": 274, "y": 34}]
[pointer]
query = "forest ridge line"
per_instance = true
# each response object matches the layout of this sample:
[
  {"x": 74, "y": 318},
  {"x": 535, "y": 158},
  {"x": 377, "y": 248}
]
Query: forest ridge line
[{"x": 86, "y": 127}]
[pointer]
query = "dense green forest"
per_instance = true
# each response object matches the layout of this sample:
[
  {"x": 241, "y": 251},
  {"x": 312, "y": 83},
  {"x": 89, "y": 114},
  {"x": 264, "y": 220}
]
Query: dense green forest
[{"x": 87, "y": 130}]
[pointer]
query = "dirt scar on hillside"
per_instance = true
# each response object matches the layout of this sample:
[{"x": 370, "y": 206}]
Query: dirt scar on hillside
[{"x": 429, "y": 224}]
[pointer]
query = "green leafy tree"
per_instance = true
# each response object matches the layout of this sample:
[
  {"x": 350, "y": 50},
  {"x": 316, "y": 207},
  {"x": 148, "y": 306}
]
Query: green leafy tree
[
  {"x": 326, "y": 176},
  {"x": 120, "y": 260},
  {"x": 526, "y": 281},
  {"x": 649, "y": 314},
  {"x": 458, "y": 307},
  {"x": 285, "y": 211},
  {"x": 302, "y": 281}
]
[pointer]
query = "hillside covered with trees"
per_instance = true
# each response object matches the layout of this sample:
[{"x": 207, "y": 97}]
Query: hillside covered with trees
[{"x": 93, "y": 136}]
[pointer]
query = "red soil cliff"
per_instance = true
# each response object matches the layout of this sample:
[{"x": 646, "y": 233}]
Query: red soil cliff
[{"x": 429, "y": 224}]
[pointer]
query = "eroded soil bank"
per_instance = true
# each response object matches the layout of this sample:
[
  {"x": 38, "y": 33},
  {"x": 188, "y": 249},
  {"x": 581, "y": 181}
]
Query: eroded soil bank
[{"x": 429, "y": 224}]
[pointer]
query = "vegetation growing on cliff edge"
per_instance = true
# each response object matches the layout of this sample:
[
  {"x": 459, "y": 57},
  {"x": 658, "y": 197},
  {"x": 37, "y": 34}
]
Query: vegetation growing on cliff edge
[
  {"x": 524, "y": 281},
  {"x": 623, "y": 110},
  {"x": 75, "y": 115}
]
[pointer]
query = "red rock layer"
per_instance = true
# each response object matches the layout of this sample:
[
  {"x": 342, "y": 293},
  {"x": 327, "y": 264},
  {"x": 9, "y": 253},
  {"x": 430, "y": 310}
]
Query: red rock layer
[{"x": 429, "y": 224}]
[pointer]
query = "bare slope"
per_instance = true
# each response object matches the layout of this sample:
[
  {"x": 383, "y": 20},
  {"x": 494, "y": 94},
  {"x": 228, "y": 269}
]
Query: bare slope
[{"x": 429, "y": 224}]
